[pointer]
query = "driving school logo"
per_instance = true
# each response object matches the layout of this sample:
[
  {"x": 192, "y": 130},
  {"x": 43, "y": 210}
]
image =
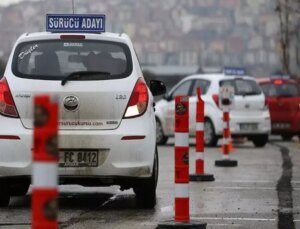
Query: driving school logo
[
  {"x": 71, "y": 103},
  {"x": 180, "y": 109}
]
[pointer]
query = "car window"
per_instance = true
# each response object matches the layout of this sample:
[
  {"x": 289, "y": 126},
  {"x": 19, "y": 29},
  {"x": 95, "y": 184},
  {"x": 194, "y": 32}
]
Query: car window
[
  {"x": 55, "y": 59},
  {"x": 183, "y": 89},
  {"x": 243, "y": 86},
  {"x": 278, "y": 90},
  {"x": 203, "y": 84}
]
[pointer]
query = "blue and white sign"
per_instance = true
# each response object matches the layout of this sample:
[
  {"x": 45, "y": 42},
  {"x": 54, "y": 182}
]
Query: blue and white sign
[
  {"x": 77, "y": 23},
  {"x": 234, "y": 71}
]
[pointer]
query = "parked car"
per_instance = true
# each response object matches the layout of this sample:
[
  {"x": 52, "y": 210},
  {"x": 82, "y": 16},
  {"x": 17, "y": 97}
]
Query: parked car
[
  {"x": 107, "y": 119},
  {"x": 283, "y": 98},
  {"x": 249, "y": 117}
]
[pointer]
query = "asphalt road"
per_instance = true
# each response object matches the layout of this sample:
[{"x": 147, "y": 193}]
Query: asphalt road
[{"x": 262, "y": 192}]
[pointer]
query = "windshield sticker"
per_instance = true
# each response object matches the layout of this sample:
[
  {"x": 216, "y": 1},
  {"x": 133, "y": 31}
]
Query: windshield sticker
[
  {"x": 27, "y": 52},
  {"x": 73, "y": 44}
]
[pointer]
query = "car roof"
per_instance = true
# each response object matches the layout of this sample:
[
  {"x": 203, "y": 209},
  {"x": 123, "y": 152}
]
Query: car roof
[
  {"x": 216, "y": 77},
  {"x": 121, "y": 37}
]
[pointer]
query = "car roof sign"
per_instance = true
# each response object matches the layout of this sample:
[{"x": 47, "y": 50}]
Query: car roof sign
[
  {"x": 229, "y": 71},
  {"x": 78, "y": 23}
]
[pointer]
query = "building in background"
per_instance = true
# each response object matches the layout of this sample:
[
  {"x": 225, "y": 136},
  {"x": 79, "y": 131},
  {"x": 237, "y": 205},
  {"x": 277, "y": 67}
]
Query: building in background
[{"x": 169, "y": 32}]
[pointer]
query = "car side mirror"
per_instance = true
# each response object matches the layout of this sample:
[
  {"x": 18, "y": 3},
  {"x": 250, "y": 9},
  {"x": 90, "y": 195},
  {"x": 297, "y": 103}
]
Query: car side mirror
[{"x": 157, "y": 87}]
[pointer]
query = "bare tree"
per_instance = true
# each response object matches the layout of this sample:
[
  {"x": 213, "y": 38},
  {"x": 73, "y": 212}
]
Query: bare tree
[
  {"x": 284, "y": 15},
  {"x": 289, "y": 24}
]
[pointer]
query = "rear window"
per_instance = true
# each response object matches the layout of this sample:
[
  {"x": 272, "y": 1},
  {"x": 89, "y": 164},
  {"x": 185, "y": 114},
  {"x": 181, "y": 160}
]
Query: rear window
[
  {"x": 280, "y": 90},
  {"x": 243, "y": 87},
  {"x": 56, "y": 59}
]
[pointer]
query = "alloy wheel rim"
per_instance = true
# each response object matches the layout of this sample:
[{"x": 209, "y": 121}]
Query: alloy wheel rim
[{"x": 208, "y": 132}]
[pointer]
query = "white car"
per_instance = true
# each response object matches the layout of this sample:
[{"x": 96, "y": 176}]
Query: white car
[
  {"x": 249, "y": 117},
  {"x": 106, "y": 112}
]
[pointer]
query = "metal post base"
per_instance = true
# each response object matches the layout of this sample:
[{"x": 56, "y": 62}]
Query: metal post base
[
  {"x": 193, "y": 224},
  {"x": 202, "y": 177},
  {"x": 226, "y": 163}
]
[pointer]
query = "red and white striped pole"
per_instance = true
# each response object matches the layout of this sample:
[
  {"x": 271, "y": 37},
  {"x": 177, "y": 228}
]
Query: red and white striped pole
[
  {"x": 199, "y": 161},
  {"x": 226, "y": 133},
  {"x": 226, "y": 162},
  {"x": 182, "y": 198},
  {"x": 45, "y": 160}
]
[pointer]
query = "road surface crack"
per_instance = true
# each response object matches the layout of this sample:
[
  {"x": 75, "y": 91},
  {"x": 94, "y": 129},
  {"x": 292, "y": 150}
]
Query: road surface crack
[{"x": 285, "y": 191}]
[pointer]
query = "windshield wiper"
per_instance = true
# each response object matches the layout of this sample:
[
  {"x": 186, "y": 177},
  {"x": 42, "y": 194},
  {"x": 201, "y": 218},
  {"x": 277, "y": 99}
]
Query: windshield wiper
[{"x": 77, "y": 75}]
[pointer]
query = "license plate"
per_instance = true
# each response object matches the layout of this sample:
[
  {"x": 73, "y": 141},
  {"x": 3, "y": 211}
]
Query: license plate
[
  {"x": 281, "y": 125},
  {"x": 248, "y": 126},
  {"x": 88, "y": 158}
]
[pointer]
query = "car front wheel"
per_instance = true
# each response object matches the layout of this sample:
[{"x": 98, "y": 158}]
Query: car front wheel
[
  {"x": 146, "y": 192},
  {"x": 260, "y": 140},
  {"x": 210, "y": 138}
]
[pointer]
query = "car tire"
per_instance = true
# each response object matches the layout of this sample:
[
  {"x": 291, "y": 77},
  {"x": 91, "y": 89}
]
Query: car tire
[
  {"x": 146, "y": 192},
  {"x": 4, "y": 195},
  {"x": 19, "y": 189},
  {"x": 210, "y": 138},
  {"x": 260, "y": 140},
  {"x": 161, "y": 139},
  {"x": 287, "y": 137}
]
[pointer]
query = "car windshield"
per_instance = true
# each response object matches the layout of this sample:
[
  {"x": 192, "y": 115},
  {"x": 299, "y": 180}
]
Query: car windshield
[
  {"x": 280, "y": 90},
  {"x": 243, "y": 87},
  {"x": 56, "y": 59}
]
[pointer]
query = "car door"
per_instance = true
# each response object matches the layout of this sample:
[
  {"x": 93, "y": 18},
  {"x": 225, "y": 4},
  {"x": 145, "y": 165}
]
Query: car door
[{"x": 183, "y": 88}]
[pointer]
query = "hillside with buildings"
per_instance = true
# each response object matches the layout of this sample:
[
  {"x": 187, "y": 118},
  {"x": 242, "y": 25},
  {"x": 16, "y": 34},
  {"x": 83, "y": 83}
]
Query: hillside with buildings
[{"x": 170, "y": 32}]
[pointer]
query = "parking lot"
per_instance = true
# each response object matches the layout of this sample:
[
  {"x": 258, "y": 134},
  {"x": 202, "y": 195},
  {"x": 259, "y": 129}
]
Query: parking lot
[{"x": 243, "y": 197}]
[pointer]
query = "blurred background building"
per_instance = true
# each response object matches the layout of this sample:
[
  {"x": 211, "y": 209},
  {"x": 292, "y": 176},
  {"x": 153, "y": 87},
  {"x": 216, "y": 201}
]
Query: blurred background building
[{"x": 170, "y": 33}]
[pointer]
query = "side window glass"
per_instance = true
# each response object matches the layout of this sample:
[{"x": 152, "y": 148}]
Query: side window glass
[
  {"x": 203, "y": 84},
  {"x": 182, "y": 89}
]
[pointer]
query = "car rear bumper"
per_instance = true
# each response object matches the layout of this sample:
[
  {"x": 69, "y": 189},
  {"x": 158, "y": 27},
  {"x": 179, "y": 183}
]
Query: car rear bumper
[
  {"x": 293, "y": 128},
  {"x": 262, "y": 121},
  {"x": 117, "y": 157}
]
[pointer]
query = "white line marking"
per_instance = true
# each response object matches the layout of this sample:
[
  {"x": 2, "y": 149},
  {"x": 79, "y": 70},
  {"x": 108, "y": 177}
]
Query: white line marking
[
  {"x": 247, "y": 181},
  {"x": 242, "y": 188},
  {"x": 236, "y": 219}
]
